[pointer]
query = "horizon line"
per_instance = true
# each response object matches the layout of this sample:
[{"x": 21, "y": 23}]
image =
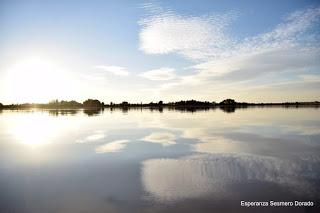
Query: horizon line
[{"x": 156, "y": 102}]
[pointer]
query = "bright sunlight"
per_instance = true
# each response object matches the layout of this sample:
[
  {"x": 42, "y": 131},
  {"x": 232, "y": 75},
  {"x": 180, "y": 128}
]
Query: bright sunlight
[
  {"x": 33, "y": 128},
  {"x": 37, "y": 79}
]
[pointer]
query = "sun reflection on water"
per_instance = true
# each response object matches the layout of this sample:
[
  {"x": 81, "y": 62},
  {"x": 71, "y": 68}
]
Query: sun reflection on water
[{"x": 33, "y": 129}]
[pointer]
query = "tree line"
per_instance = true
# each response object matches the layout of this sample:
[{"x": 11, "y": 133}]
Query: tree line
[{"x": 227, "y": 104}]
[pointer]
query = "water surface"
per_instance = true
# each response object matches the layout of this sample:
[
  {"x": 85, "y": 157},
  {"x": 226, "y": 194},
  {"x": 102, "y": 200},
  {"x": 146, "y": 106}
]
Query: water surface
[{"x": 158, "y": 161}]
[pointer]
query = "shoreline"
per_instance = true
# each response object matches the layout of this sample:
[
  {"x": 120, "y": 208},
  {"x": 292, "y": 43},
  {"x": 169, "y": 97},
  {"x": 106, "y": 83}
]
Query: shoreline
[
  {"x": 166, "y": 106},
  {"x": 94, "y": 104}
]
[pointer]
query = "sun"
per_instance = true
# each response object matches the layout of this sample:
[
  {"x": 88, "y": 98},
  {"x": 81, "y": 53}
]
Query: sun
[{"x": 36, "y": 79}]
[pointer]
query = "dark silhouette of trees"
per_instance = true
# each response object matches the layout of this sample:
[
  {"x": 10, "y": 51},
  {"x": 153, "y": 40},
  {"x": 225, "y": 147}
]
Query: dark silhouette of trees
[
  {"x": 125, "y": 104},
  {"x": 63, "y": 104},
  {"x": 228, "y": 102},
  {"x": 191, "y": 104},
  {"x": 227, "y": 105},
  {"x": 92, "y": 103}
]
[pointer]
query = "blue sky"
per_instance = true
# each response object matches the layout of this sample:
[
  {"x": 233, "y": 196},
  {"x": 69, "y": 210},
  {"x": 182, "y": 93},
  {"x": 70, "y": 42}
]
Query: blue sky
[{"x": 152, "y": 50}]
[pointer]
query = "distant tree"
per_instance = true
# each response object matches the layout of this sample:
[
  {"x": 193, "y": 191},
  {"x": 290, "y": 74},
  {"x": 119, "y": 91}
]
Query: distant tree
[
  {"x": 228, "y": 105},
  {"x": 1, "y": 105},
  {"x": 73, "y": 104},
  {"x": 124, "y": 103},
  {"x": 228, "y": 102},
  {"x": 64, "y": 104},
  {"x": 92, "y": 103},
  {"x": 160, "y": 102},
  {"x": 53, "y": 103}
]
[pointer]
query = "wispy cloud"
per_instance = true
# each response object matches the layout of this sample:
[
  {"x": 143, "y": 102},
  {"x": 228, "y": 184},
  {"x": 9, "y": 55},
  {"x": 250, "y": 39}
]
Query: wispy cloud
[
  {"x": 114, "y": 146},
  {"x": 161, "y": 74},
  {"x": 291, "y": 48},
  {"x": 310, "y": 77},
  {"x": 116, "y": 70},
  {"x": 163, "y": 138},
  {"x": 165, "y": 32},
  {"x": 288, "y": 46}
]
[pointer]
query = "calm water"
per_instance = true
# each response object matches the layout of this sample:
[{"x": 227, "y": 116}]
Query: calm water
[{"x": 151, "y": 161}]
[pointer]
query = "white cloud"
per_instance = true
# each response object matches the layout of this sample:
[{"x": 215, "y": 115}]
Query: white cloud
[
  {"x": 229, "y": 65},
  {"x": 163, "y": 138},
  {"x": 165, "y": 32},
  {"x": 116, "y": 70},
  {"x": 114, "y": 146},
  {"x": 161, "y": 74},
  {"x": 260, "y": 62}
]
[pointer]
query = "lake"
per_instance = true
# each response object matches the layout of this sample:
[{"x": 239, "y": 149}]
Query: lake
[{"x": 143, "y": 160}]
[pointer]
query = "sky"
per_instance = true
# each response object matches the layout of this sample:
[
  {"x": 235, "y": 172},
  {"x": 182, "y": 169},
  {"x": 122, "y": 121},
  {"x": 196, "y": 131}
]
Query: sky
[{"x": 143, "y": 51}]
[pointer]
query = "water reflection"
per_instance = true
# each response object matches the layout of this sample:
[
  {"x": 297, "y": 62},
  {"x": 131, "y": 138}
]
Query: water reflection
[
  {"x": 143, "y": 160},
  {"x": 114, "y": 146},
  {"x": 163, "y": 138},
  {"x": 62, "y": 112},
  {"x": 218, "y": 175},
  {"x": 96, "y": 136},
  {"x": 228, "y": 109},
  {"x": 33, "y": 128},
  {"x": 93, "y": 112}
]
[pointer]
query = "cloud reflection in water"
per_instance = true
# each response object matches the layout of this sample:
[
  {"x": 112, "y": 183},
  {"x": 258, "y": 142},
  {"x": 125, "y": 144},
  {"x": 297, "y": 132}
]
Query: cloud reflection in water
[
  {"x": 214, "y": 174},
  {"x": 98, "y": 135},
  {"x": 163, "y": 138},
  {"x": 114, "y": 146}
]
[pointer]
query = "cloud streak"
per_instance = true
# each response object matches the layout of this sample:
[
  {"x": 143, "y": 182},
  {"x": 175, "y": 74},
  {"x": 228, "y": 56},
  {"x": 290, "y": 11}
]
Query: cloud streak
[
  {"x": 115, "y": 70},
  {"x": 161, "y": 74}
]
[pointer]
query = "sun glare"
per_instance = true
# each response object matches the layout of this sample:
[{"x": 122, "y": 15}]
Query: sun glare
[
  {"x": 33, "y": 129},
  {"x": 36, "y": 79}
]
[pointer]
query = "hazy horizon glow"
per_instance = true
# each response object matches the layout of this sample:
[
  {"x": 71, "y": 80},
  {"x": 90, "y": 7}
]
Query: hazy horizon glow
[{"x": 142, "y": 51}]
